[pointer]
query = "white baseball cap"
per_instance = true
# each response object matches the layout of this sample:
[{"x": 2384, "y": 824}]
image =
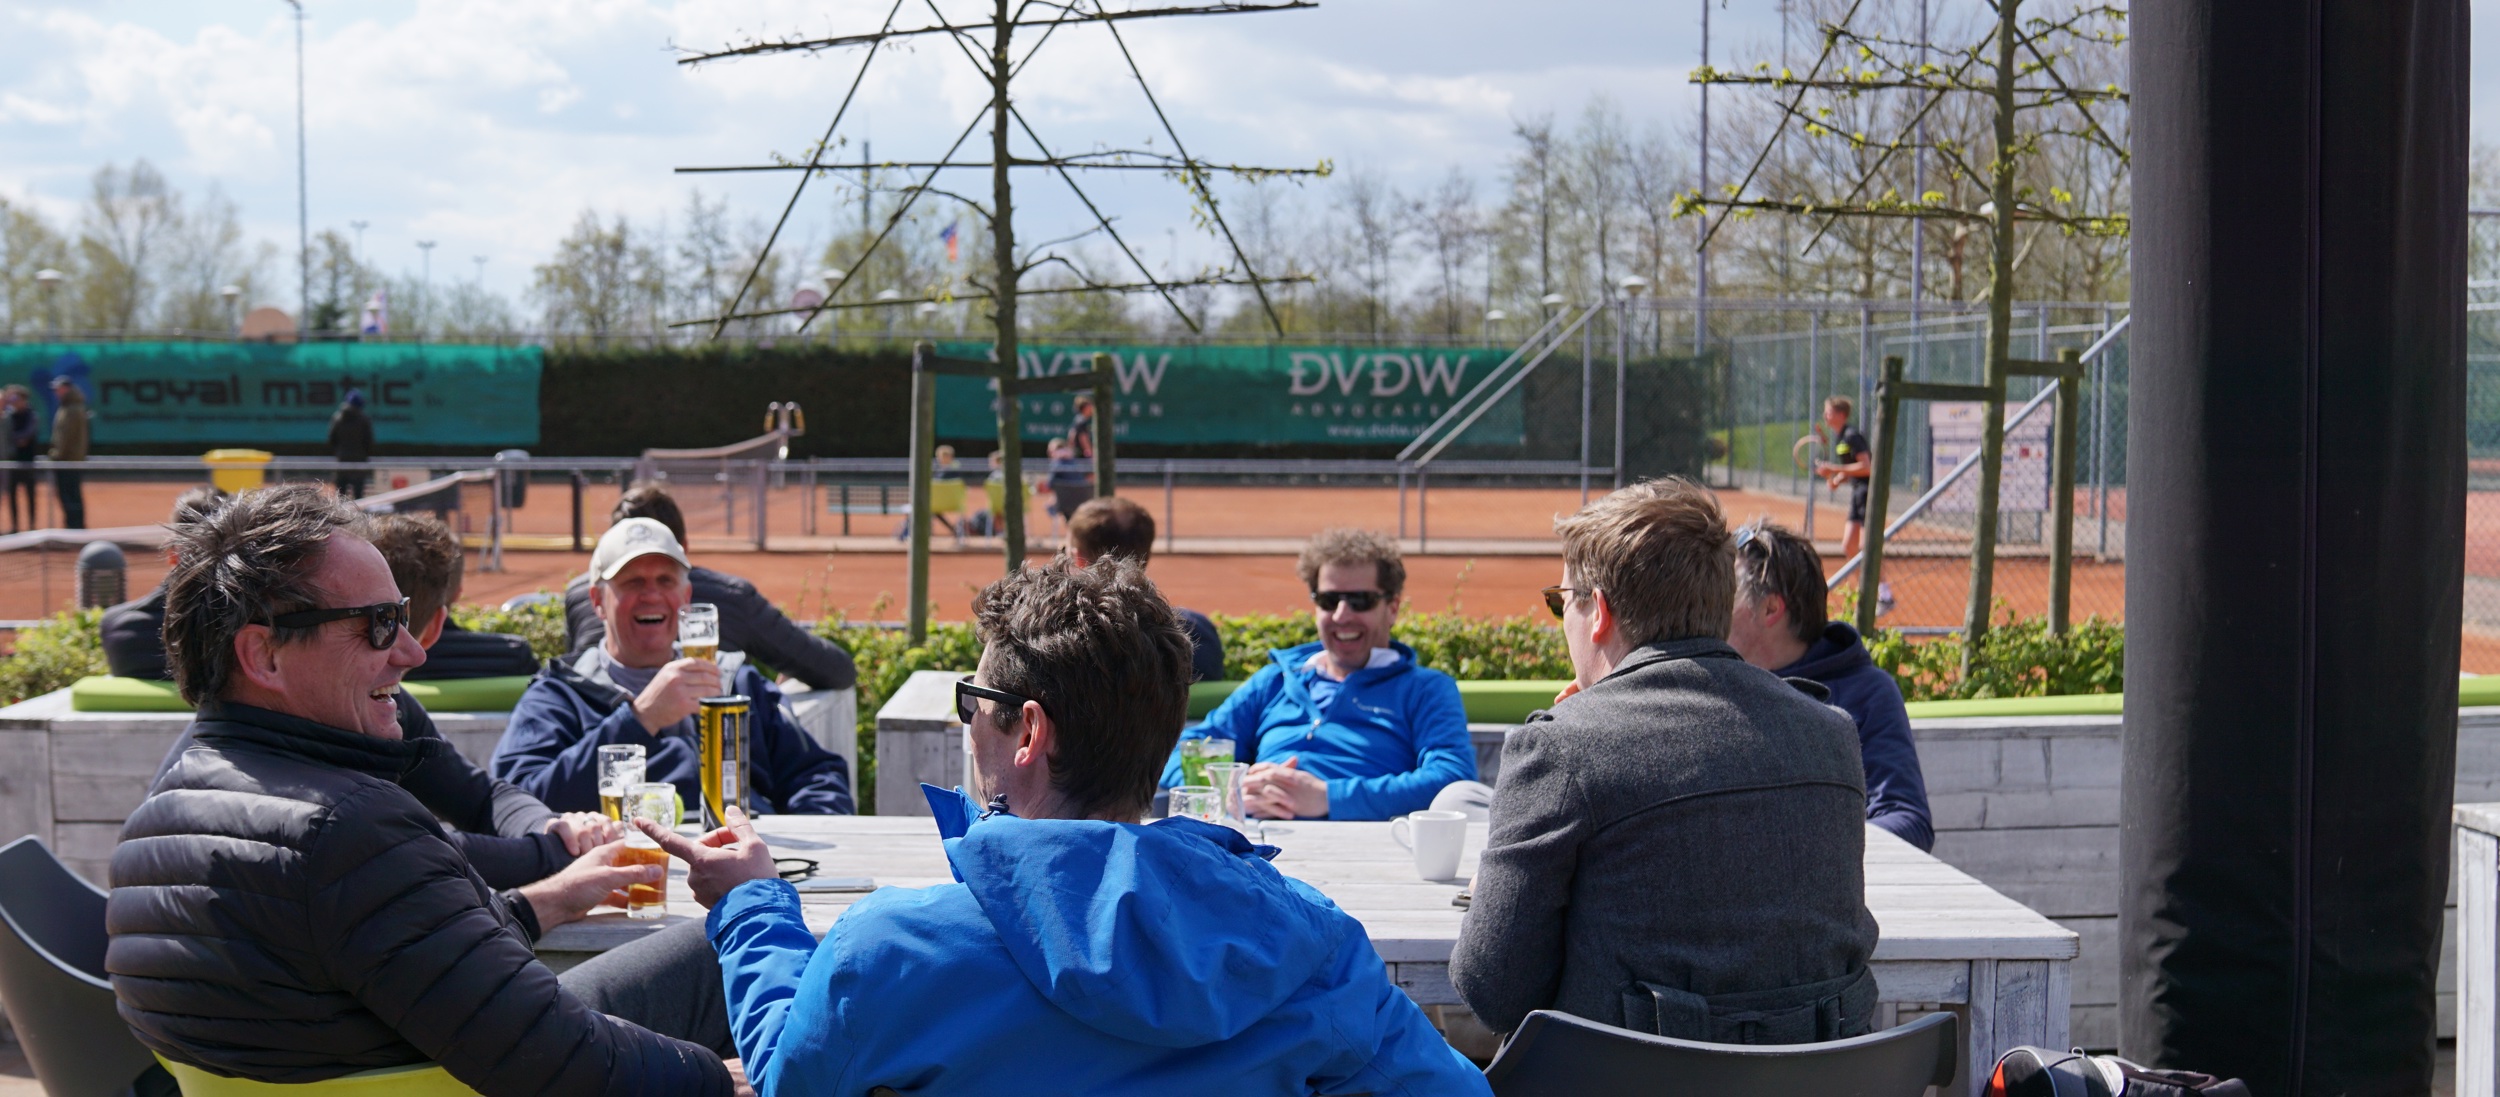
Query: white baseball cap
[{"x": 632, "y": 538}]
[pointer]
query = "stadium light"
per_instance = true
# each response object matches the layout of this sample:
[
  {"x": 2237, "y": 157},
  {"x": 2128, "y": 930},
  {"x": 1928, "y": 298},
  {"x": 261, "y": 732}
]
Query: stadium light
[
  {"x": 49, "y": 278},
  {"x": 1496, "y": 316},
  {"x": 1633, "y": 285},
  {"x": 234, "y": 296},
  {"x": 1553, "y": 300},
  {"x": 830, "y": 276}
]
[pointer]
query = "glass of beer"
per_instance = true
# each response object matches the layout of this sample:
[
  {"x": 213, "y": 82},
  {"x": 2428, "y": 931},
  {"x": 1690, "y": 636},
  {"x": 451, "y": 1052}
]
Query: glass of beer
[
  {"x": 698, "y": 631},
  {"x": 620, "y": 769},
  {"x": 656, "y": 801}
]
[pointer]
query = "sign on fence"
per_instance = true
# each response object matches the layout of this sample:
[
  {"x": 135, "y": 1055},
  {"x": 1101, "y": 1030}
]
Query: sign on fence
[
  {"x": 1190, "y": 394},
  {"x": 1953, "y": 430},
  {"x": 228, "y": 394}
]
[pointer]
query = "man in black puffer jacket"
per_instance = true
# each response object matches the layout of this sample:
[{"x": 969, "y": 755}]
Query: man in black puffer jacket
[{"x": 283, "y": 910}]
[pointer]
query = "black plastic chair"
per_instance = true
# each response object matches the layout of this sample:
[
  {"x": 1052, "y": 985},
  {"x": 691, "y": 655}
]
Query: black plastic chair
[
  {"x": 1561, "y": 1055},
  {"x": 52, "y": 978}
]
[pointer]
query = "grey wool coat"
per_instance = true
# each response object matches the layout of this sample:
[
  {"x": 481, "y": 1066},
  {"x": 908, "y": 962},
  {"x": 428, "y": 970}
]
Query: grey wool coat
[{"x": 1678, "y": 849}]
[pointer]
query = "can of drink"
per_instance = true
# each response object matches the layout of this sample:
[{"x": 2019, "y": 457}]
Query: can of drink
[{"x": 724, "y": 723}]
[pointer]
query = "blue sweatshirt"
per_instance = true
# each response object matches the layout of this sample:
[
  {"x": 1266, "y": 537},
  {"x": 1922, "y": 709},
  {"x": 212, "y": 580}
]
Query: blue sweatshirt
[
  {"x": 1075, "y": 957},
  {"x": 1896, "y": 793},
  {"x": 1387, "y": 739},
  {"x": 550, "y": 748}
]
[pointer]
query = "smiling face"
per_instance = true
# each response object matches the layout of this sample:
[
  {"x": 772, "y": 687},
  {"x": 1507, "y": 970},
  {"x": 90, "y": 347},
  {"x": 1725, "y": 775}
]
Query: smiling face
[
  {"x": 1349, "y": 635},
  {"x": 335, "y": 677},
  {"x": 639, "y": 608}
]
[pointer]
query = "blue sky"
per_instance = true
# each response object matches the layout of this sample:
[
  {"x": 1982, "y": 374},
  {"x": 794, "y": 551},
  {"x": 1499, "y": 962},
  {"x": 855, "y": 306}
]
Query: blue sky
[{"x": 487, "y": 125}]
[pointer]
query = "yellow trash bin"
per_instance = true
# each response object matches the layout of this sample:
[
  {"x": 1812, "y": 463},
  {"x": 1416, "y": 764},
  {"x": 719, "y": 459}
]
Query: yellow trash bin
[{"x": 236, "y": 470}]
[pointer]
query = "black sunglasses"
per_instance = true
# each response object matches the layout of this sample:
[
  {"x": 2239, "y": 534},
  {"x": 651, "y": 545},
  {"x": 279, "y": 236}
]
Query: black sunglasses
[
  {"x": 1554, "y": 597},
  {"x": 1361, "y": 600},
  {"x": 383, "y": 620},
  {"x": 967, "y": 699}
]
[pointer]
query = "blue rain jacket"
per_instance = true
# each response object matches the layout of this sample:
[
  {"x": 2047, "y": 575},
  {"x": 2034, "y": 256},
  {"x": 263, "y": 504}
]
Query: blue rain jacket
[
  {"x": 1387, "y": 740},
  {"x": 1075, "y": 957}
]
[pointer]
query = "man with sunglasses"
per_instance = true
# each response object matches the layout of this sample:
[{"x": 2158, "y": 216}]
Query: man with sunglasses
[
  {"x": 1078, "y": 951},
  {"x": 1677, "y": 845},
  {"x": 1347, "y": 727},
  {"x": 284, "y": 910},
  {"x": 633, "y": 689}
]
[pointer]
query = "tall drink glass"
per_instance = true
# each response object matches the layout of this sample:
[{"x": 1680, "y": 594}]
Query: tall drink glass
[
  {"x": 1225, "y": 779},
  {"x": 620, "y": 769},
  {"x": 1196, "y": 754},
  {"x": 698, "y": 631},
  {"x": 656, "y": 801}
]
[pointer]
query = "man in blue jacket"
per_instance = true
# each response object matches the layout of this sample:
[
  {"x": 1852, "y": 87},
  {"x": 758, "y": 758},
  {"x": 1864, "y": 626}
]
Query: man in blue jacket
[
  {"x": 1348, "y": 727},
  {"x": 1780, "y": 627},
  {"x": 1079, "y": 951},
  {"x": 632, "y": 689}
]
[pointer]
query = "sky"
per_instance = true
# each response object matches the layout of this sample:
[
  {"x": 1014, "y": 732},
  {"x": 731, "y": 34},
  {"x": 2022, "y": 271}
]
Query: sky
[{"x": 487, "y": 125}]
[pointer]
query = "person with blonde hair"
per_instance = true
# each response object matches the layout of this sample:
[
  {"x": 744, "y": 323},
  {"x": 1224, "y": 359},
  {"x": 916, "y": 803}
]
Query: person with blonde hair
[{"x": 1678, "y": 844}]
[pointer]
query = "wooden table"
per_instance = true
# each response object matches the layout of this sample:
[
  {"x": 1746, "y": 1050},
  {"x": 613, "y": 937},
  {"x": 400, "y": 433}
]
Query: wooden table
[{"x": 1947, "y": 941}]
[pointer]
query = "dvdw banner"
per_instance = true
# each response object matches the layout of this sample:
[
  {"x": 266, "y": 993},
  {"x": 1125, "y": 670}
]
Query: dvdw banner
[
  {"x": 235, "y": 394},
  {"x": 1192, "y": 394}
]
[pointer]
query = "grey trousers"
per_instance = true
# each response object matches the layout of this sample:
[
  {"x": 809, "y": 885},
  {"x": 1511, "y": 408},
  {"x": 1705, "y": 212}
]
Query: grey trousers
[{"x": 669, "y": 982}]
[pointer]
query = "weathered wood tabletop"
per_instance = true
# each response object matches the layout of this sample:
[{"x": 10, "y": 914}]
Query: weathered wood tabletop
[{"x": 1947, "y": 940}]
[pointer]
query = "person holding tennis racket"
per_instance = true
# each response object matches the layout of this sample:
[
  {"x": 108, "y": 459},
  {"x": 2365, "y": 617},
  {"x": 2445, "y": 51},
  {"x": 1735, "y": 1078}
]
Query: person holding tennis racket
[{"x": 1853, "y": 462}]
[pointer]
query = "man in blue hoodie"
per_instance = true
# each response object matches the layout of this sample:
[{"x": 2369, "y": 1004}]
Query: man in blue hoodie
[
  {"x": 1080, "y": 951},
  {"x": 1348, "y": 727},
  {"x": 1780, "y": 626}
]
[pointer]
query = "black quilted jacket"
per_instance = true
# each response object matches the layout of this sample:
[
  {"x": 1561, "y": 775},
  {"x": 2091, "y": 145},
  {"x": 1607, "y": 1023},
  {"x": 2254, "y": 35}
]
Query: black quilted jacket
[{"x": 282, "y": 910}]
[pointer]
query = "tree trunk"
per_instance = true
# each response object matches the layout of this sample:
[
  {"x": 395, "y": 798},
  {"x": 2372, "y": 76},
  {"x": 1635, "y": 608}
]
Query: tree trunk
[
  {"x": 1983, "y": 549},
  {"x": 1003, "y": 241}
]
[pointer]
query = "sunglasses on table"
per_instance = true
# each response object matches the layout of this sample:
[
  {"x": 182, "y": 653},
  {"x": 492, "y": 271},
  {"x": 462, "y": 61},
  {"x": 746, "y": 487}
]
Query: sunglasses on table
[
  {"x": 383, "y": 620},
  {"x": 968, "y": 699},
  {"x": 1360, "y": 601},
  {"x": 1555, "y": 597}
]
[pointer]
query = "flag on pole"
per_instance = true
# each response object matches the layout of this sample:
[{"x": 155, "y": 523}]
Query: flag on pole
[{"x": 949, "y": 237}]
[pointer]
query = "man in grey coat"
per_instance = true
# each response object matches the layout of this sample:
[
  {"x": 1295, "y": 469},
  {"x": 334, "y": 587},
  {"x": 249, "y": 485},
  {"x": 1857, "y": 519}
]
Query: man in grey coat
[{"x": 1677, "y": 845}]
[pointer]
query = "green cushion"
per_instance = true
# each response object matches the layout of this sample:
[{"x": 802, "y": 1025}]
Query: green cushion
[
  {"x": 104, "y": 693},
  {"x": 1488, "y": 702},
  {"x": 2081, "y": 704}
]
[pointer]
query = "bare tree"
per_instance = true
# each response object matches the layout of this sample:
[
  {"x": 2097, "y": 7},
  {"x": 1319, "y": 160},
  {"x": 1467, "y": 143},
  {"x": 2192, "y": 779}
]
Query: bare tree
[
  {"x": 129, "y": 216},
  {"x": 601, "y": 282},
  {"x": 1370, "y": 211},
  {"x": 1447, "y": 222},
  {"x": 28, "y": 243}
]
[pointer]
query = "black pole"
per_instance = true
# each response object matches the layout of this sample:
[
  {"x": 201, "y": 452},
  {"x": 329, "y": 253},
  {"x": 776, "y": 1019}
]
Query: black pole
[
  {"x": 2297, "y": 487},
  {"x": 580, "y": 483}
]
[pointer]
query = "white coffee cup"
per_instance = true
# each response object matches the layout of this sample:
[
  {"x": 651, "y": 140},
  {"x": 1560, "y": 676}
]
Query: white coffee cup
[{"x": 1437, "y": 838}]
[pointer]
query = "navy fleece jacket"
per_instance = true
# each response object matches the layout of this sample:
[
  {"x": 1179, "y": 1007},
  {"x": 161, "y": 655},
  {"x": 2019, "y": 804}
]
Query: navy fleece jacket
[{"x": 1896, "y": 793}]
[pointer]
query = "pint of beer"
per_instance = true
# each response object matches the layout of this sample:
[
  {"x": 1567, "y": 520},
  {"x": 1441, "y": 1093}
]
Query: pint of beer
[
  {"x": 656, "y": 801},
  {"x": 723, "y": 722},
  {"x": 698, "y": 631},
  {"x": 620, "y": 769}
]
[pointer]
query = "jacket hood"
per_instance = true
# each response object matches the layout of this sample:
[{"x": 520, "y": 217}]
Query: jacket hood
[
  {"x": 1291, "y": 660},
  {"x": 1838, "y": 651},
  {"x": 221, "y": 722},
  {"x": 1174, "y": 934}
]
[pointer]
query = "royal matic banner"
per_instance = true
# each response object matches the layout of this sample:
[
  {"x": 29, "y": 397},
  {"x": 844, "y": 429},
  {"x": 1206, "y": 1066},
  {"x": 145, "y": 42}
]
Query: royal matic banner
[
  {"x": 1195, "y": 394},
  {"x": 247, "y": 394}
]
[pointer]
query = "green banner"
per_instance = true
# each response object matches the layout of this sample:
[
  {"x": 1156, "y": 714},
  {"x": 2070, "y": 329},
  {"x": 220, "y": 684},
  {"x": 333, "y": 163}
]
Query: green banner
[
  {"x": 1195, "y": 394},
  {"x": 247, "y": 394}
]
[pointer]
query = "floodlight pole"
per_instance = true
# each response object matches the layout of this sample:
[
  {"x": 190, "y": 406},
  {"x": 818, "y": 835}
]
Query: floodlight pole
[{"x": 303, "y": 216}]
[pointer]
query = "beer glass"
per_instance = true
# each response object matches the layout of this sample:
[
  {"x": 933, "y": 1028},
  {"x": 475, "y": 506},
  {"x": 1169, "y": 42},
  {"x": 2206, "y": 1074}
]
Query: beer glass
[
  {"x": 620, "y": 769},
  {"x": 656, "y": 801},
  {"x": 698, "y": 631}
]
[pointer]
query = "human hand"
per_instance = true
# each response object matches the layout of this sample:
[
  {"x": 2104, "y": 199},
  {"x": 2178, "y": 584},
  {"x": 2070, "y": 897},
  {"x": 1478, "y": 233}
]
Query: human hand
[
  {"x": 717, "y": 861},
  {"x": 676, "y": 692},
  {"x": 1273, "y": 791},
  {"x": 738, "y": 1085},
  {"x": 580, "y": 830},
  {"x": 593, "y": 878}
]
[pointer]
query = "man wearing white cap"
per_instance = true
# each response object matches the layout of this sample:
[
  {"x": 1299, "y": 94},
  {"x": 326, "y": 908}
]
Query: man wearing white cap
[{"x": 632, "y": 689}]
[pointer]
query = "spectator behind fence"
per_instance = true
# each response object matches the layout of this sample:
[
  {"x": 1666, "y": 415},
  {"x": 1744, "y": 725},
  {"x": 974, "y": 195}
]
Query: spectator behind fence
[
  {"x": 1678, "y": 844},
  {"x": 18, "y": 449},
  {"x": 351, "y": 440},
  {"x": 1071, "y": 482},
  {"x": 1079, "y": 951},
  {"x": 633, "y": 690},
  {"x": 133, "y": 633},
  {"x": 1779, "y": 626},
  {"x": 284, "y": 910},
  {"x": 508, "y": 836},
  {"x": 1347, "y": 727},
  {"x": 749, "y": 622},
  {"x": 1103, "y": 528},
  {"x": 69, "y": 444},
  {"x": 425, "y": 560}
]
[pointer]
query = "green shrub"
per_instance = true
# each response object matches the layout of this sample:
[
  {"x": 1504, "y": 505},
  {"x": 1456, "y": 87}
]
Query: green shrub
[
  {"x": 542, "y": 624},
  {"x": 2018, "y": 658},
  {"x": 53, "y": 655}
]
